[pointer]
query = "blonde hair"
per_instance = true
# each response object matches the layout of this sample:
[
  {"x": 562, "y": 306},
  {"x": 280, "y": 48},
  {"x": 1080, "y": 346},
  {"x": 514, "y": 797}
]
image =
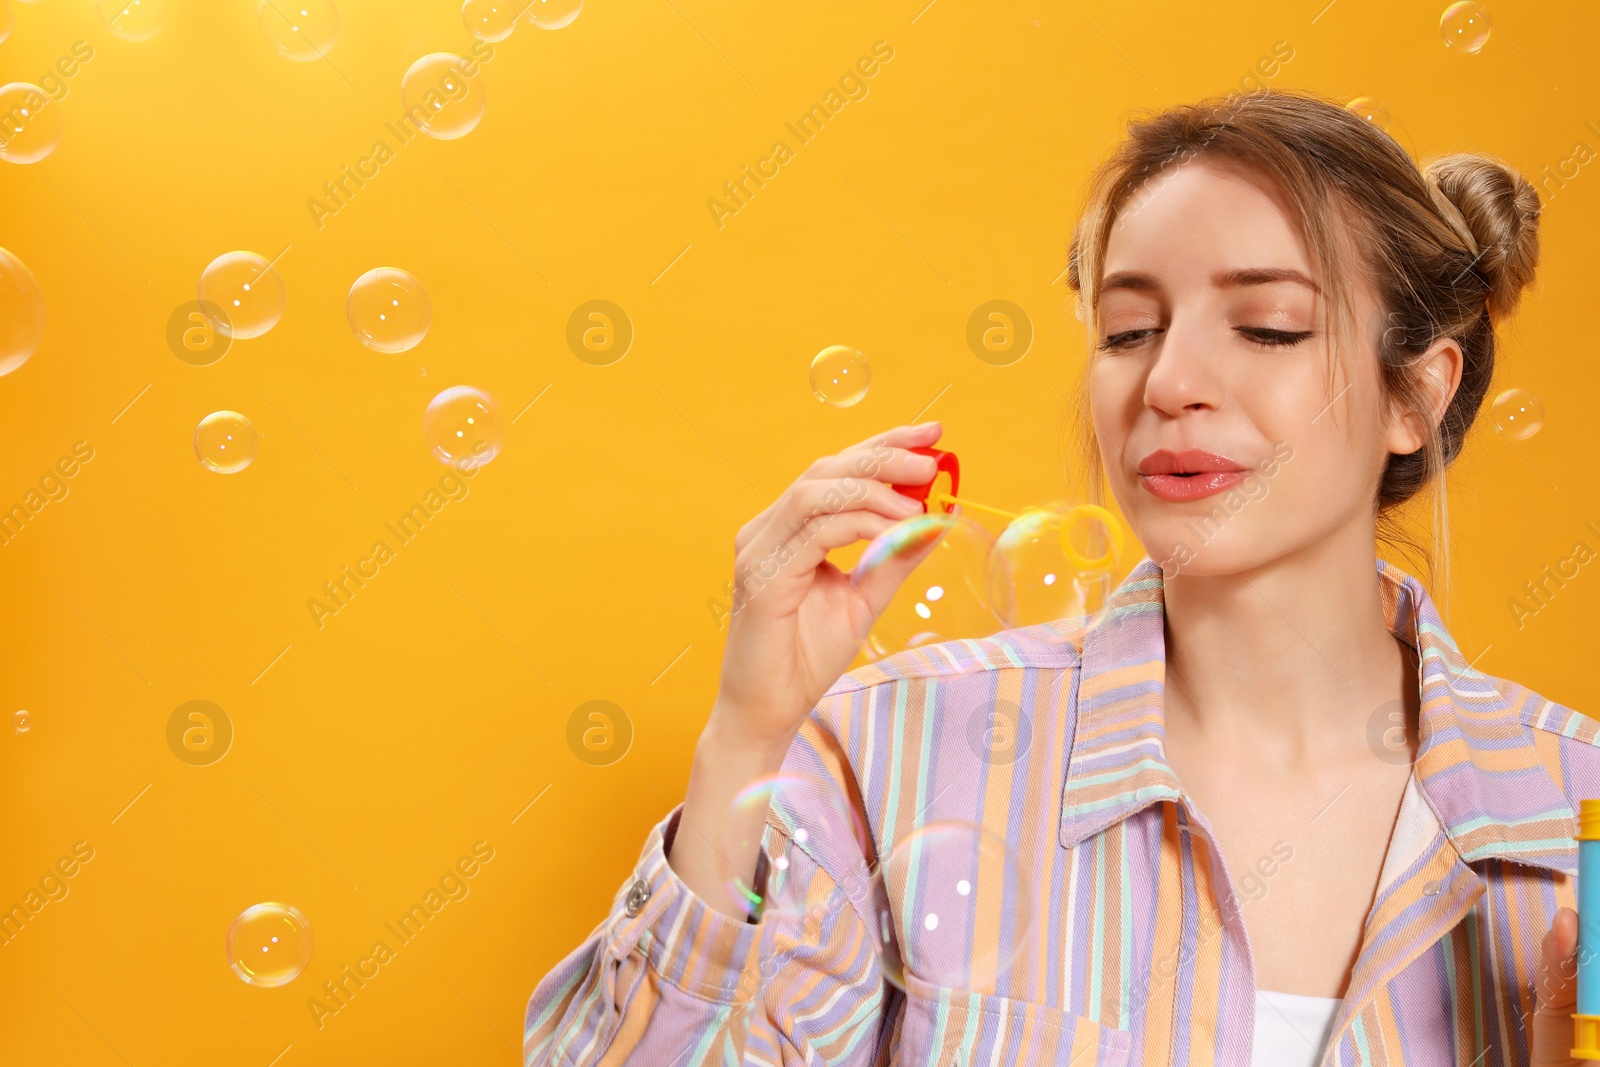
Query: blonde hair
[{"x": 1448, "y": 248}]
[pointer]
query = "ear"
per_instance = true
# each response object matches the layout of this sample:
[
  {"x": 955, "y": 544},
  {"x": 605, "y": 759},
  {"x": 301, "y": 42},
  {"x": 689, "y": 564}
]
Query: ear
[{"x": 1437, "y": 372}]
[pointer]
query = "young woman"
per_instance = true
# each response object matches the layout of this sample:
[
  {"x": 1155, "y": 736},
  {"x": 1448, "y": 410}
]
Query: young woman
[{"x": 1266, "y": 809}]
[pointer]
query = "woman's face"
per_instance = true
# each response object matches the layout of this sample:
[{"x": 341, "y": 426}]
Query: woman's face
[{"x": 1223, "y": 444}]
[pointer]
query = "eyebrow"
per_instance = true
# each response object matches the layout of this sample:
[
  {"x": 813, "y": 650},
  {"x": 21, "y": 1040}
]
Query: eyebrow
[{"x": 1244, "y": 276}]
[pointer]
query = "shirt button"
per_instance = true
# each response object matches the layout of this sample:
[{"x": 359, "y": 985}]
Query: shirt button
[{"x": 638, "y": 893}]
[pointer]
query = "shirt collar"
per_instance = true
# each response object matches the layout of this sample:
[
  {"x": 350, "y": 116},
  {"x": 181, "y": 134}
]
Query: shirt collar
[{"x": 1477, "y": 766}]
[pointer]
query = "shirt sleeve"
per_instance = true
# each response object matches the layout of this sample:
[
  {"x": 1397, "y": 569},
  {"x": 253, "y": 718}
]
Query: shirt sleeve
[{"x": 666, "y": 980}]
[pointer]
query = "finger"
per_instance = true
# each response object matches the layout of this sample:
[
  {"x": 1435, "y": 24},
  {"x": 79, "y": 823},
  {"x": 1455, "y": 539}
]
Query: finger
[
  {"x": 825, "y": 496},
  {"x": 906, "y": 436},
  {"x": 897, "y": 466},
  {"x": 821, "y": 535},
  {"x": 884, "y": 567},
  {"x": 901, "y": 467},
  {"x": 1558, "y": 965}
]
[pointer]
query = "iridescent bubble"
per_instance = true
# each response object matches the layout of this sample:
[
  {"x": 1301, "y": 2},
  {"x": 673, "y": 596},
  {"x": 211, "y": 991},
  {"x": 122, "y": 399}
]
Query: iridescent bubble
[
  {"x": 20, "y": 719},
  {"x": 814, "y": 816},
  {"x": 462, "y": 427},
  {"x": 441, "y": 97},
  {"x": 1372, "y": 109},
  {"x": 1055, "y": 562},
  {"x": 252, "y": 296},
  {"x": 389, "y": 310},
  {"x": 226, "y": 442},
  {"x": 269, "y": 945},
  {"x": 301, "y": 30},
  {"x": 553, "y": 14},
  {"x": 952, "y": 906},
  {"x": 30, "y": 123},
  {"x": 1465, "y": 27},
  {"x": 938, "y": 565},
  {"x": 21, "y": 313},
  {"x": 840, "y": 375},
  {"x": 132, "y": 20},
  {"x": 1518, "y": 413},
  {"x": 490, "y": 20}
]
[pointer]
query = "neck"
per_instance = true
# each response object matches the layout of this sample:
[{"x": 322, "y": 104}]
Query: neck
[{"x": 1290, "y": 659}]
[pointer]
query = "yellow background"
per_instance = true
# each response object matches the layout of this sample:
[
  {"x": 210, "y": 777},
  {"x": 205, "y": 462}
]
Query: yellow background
[{"x": 424, "y": 718}]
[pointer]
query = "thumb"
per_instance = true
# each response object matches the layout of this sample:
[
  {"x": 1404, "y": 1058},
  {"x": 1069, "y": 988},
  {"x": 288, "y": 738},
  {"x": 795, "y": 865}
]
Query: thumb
[
  {"x": 892, "y": 556},
  {"x": 1556, "y": 992}
]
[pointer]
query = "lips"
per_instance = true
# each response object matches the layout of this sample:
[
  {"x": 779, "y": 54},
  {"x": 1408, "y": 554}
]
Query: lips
[{"x": 1188, "y": 475}]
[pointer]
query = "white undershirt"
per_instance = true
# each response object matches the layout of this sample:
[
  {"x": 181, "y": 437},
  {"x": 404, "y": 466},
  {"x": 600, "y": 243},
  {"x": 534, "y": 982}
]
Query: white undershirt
[{"x": 1291, "y": 1029}]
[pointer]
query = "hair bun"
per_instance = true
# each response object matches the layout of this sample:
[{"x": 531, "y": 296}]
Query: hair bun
[{"x": 1500, "y": 209}]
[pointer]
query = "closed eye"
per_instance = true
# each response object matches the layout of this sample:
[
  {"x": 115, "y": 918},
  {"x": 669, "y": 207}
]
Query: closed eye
[
  {"x": 1126, "y": 339},
  {"x": 1273, "y": 338}
]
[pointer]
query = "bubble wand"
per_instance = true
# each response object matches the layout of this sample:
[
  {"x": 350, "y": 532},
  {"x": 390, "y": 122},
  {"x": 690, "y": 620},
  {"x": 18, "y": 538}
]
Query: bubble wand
[{"x": 941, "y": 489}]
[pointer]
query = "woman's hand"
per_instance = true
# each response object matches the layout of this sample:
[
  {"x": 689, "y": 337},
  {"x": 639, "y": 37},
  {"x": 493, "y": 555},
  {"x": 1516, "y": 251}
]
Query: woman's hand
[
  {"x": 798, "y": 620},
  {"x": 1556, "y": 994},
  {"x": 797, "y": 623}
]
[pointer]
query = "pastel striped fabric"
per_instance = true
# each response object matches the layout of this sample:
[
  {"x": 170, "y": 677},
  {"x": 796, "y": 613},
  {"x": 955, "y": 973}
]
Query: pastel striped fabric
[{"x": 1138, "y": 953}]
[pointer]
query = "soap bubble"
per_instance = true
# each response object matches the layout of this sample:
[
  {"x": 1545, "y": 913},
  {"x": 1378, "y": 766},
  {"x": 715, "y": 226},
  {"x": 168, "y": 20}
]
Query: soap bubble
[
  {"x": 225, "y": 442},
  {"x": 1372, "y": 109},
  {"x": 813, "y": 814},
  {"x": 840, "y": 375},
  {"x": 269, "y": 945},
  {"x": 952, "y": 906},
  {"x": 490, "y": 20},
  {"x": 252, "y": 296},
  {"x": 440, "y": 97},
  {"x": 1055, "y": 562},
  {"x": 553, "y": 14},
  {"x": 21, "y": 312},
  {"x": 948, "y": 594},
  {"x": 1518, "y": 413},
  {"x": 132, "y": 20},
  {"x": 462, "y": 427},
  {"x": 30, "y": 123},
  {"x": 20, "y": 719},
  {"x": 388, "y": 310},
  {"x": 1465, "y": 28},
  {"x": 5, "y": 21},
  {"x": 301, "y": 30}
]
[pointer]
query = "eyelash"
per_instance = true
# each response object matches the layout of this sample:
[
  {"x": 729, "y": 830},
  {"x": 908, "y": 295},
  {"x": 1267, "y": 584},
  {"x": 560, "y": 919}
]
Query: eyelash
[{"x": 1259, "y": 335}]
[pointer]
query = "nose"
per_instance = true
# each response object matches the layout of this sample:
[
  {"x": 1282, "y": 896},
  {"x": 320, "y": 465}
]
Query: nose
[{"x": 1183, "y": 376}]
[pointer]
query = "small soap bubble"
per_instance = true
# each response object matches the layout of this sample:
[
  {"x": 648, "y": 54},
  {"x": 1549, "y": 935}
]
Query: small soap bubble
[
  {"x": 462, "y": 427},
  {"x": 814, "y": 816},
  {"x": 269, "y": 945},
  {"x": 948, "y": 594},
  {"x": 252, "y": 296},
  {"x": 132, "y": 20},
  {"x": 30, "y": 123},
  {"x": 226, "y": 442},
  {"x": 21, "y": 721},
  {"x": 1465, "y": 28},
  {"x": 952, "y": 906},
  {"x": 840, "y": 376},
  {"x": 5, "y": 21},
  {"x": 490, "y": 20},
  {"x": 389, "y": 310},
  {"x": 553, "y": 14},
  {"x": 1372, "y": 109},
  {"x": 21, "y": 312},
  {"x": 301, "y": 30},
  {"x": 1518, "y": 413},
  {"x": 1058, "y": 559},
  {"x": 440, "y": 97}
]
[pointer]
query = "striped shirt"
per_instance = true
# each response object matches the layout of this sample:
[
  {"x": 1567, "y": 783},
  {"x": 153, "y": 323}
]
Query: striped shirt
[{"x": 1138, "y": 954}]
